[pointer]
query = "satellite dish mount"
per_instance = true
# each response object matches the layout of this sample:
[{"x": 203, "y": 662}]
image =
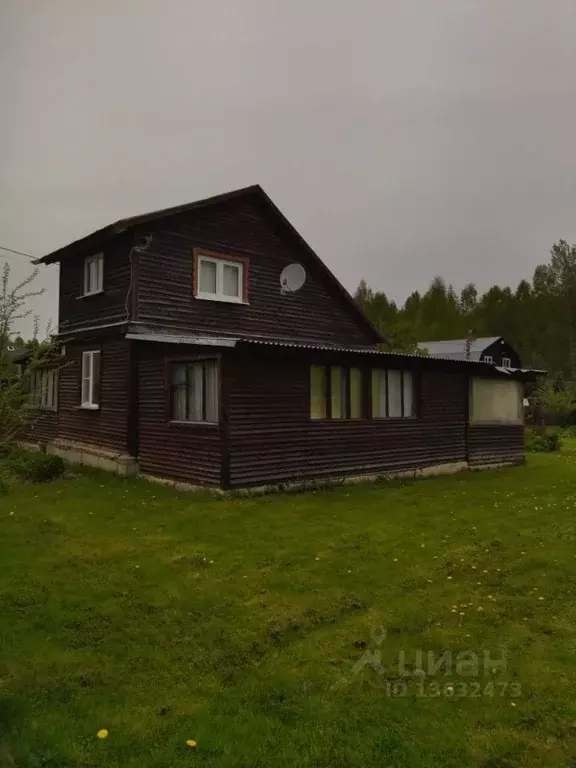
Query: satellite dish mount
[{"x": 292, "y": 279}]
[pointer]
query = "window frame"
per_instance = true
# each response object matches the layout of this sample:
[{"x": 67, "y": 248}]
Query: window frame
[
  {"x": 90, "y": 404},
  {"x": 98, "y": 259},
  {"x": 473, "y": 418},
  {"x": 221, "y": 260},
  {"x": 43, "y": 397},
  {"x": 488, "y": 359},
  {"x": 415, "y": 399},
  {"x": 171, "y": 387},
  {"x": 346, "y": 404},
  {"x": 506, "y": 362}
]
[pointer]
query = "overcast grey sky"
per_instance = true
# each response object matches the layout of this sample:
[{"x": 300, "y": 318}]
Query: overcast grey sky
[{"x": 403, "y": 138}]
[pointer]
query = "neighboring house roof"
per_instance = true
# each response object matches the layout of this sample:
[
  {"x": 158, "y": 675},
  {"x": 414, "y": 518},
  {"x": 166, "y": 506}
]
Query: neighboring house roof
[
  {"x": 100, "y": 237},
  {"x": 455, "y": 349}
]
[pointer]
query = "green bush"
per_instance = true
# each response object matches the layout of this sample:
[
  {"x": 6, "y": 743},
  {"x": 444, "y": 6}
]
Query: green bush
[
  {"x": 542, "y": 440},
  {"x": 35, "y": 467}
]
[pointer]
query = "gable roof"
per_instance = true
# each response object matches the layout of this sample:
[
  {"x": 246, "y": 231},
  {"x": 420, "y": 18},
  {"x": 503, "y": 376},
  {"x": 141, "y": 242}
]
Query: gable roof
[
  {"x": 96, "y": 240},
  {"x": 456, "y": 348}
]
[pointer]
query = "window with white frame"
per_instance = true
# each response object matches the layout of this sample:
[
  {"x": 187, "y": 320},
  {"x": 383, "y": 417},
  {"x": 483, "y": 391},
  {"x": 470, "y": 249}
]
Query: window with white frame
[
  {"x": 488, "y": 359},
  {"x": 90, "y": 395},
  {"x": 194, "y": 391},
  {"x": 496, "y": 401},
  {"x": 392, "y": 394},
  {"x": 219, "y": 279},
  {"x": 44, "y": 388},
  {"x": 94, "y": 274},
  {"x": 507, "y": 362}
]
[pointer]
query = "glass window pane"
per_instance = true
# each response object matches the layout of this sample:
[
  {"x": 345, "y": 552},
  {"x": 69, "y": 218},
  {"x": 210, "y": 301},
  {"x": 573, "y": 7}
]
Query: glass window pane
[
  {"x": 378, "y": 394},
  {"x": 394, "y": 394},
  {"x": 355, "y": 393},
  {"x": 85, "y": 391},
  {"x": 100, "y": 272},
  {"x": 179, "y": 403},
  {"x": 211, "y": 391},
  {"x": 96, "y": 378},
  {"x": 195, "y": 392},
  {"x": 408, "y": 382},
  {"x": 338, "y": 392},
  {"x": 49, "y": 390},
  {"x": 178, "y": 374},
  {"x": 231, "y": 280},
  {"x": 317, "y": 392},
  {"x": 207, "y": 281}
]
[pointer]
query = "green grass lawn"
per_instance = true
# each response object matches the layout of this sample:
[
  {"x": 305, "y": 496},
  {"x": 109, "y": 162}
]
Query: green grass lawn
[{"x": 244, "y": 624}]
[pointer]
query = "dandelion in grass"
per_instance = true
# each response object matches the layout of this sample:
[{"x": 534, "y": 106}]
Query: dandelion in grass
[
  {"x": 102, "y": 734},
  {"x": 191, "y": 743}
]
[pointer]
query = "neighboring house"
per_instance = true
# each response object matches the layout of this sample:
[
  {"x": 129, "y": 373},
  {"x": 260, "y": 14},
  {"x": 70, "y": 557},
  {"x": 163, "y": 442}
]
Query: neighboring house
[
  {"x": 490, "y": 349},
  {"x": 209, "y": 344}
]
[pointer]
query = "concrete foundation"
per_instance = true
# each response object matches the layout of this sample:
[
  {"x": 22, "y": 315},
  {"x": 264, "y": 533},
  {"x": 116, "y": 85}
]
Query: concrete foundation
[
  {"x": 93, "y": 456},
  {"x": 126, "y": 465}
]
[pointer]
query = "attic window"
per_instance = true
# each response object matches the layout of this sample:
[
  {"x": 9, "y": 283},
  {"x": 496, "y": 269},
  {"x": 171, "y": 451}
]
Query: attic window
[
  {"x": 94, "y": 274},
  {"x": 220, "y": 278}
]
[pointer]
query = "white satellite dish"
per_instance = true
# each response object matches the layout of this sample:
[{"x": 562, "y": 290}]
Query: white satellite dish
[{"x": 292, "y": 278}]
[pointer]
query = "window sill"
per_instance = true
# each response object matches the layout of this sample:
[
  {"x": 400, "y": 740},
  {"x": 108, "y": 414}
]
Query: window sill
[
  {"x": 223, "y": 299},
  {"x": 365, "y": 419},
  {"x": 175, "y": 423},
  {"x": 88, "y": 295},
  {"x": 492, "y": 423},
  {"x": 88, "y": 408}
]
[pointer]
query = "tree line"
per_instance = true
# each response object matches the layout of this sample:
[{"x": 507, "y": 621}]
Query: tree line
[{"x": 538, "y": 317}]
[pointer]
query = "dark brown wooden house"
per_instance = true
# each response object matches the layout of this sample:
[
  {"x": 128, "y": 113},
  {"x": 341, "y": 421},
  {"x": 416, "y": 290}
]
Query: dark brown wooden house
[{"x": 209, "y": 344}]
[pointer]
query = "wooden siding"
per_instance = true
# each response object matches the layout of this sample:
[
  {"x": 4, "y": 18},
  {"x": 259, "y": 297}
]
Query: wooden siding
[
  {"x": 106, "y": 427},
  {"x": 271, "y": 437},
  {"x": 495, "y": 443},
  {"x": 242, "y": 228},
  {"x": 187, "y": 452},
  {"x": 77, "y": 312},
  {"x": 42, "y": 427}
]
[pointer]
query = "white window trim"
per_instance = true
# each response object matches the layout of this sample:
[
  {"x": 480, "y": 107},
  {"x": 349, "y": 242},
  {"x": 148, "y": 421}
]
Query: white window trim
[
  {"x": 88, "y": 404},
  {"x": 488, "y": 359},
  {"x": 99, "y": 259},
  {"x": 506, "y": 362},
  {"x": 220, "y": 295}
]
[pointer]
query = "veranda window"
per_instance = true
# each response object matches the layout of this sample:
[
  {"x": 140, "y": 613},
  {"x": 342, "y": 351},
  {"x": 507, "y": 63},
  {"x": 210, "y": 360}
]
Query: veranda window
[{"x": 195, "y": 391}]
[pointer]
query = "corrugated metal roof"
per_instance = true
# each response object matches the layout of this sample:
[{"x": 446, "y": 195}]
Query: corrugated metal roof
[
  {"x": 456, "y": 348},
  {"x": 221, "y": 341},
  {"x": 357, "y": 350}
]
